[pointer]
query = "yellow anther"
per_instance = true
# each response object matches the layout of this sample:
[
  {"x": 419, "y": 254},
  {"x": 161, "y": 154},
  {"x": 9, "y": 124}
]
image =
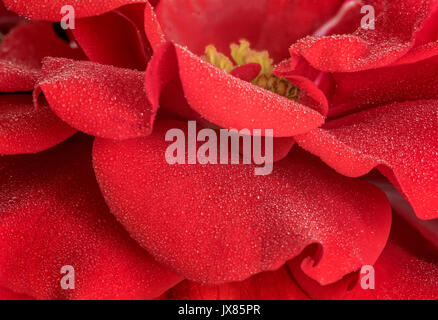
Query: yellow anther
[
  {"x": 218, "y": 59},
  {"x": 277, "y": 85},
  {"x": 243, "y": 54}
]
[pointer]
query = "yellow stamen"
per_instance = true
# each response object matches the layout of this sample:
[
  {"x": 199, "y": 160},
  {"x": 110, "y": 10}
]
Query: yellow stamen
[
  {"x": 218, "y": 59},
  {"x": 242, "y": 54},
  {"x": 277, "y": 85}
]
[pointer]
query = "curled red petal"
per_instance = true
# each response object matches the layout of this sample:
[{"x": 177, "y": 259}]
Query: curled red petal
[
  {"x": 371, "y": 88},
  {"x": 22, "y": 50},
  {"x": 406, "y": 270},
  {"x": 114, "y": 39},
  {"x": 163, "y": 86},
  {"x": 51, "y": 10},
  {"x": 399, "y": 139},
  {"x": 271, "y": 285},
  {"x": 426, "y": 42},
  {"x": 26, "y": 129},
  {"x": 99, "y": 100},
  {"x": 152, "y": 26},
  {"x": 396, "y": 29},
  {"x": 220, "y": 223},
  {"x": 233, "y": 103},
  {"x": 52, "y": 215},
  {"x": 247, "y": 72}
]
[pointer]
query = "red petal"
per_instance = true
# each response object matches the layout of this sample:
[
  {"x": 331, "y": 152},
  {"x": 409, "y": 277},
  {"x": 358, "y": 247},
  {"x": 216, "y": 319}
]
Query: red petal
[
  {"x": 219, "y": 223},
  {"x": 6, "y": 294},
  {"x": 26, "y": 129},
  {"x": 21, "y": 52},
  {"x": 99, "y": 100},
  {"x": 268, "y": 25},
  {"x": 407, "y": 269},
  {"x": 399, "y": 137},
  {"x": 247, "y": 72},
  {"x": 426, "y": 42},
  {"x": 113, "y": 38},
  {"x": 427, "y": 228},
  {"x": 8, "y": 19},
  {"x": 153, "y": 29},
  {"x": 51, "y": 215},
  {"x": 273, "y": 285},
  {"x": 396, "y": 28},
  {"x": 371, "y": 88},
  {"x": 51, "y": 10},
  {"x": 233, "y": 103}
]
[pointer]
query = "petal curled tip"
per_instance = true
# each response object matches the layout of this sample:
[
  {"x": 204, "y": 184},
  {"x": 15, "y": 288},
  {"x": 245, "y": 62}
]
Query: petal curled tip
[
  {"x": 371, "y": 88},
  {"x": 22, "y": 50},
  {"x": 233, "y": 103},
  {"x": 396, "y": 32},
  {"x": 99, "y": 100},
  {"x": 398, "y": 139},
  {"x": 406, "y": 270}
]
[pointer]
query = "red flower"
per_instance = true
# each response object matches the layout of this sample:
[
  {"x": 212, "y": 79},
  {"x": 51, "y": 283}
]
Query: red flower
[{"x": 135, "y": 227}]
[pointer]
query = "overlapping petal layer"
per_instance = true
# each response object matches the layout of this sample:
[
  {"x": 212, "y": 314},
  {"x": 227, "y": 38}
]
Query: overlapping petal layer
[
  {"x": 26, "y": 129},
  {"x": 52, "y": 215},
  {"x": 273, "y": 285},
  {"x": 397, "y": 27},
  {"x": 51, "y": 10},
  {"x": 365, "y": 89},
  {"x": 233, "y": 103},
  {"x": 399, "y": 139},
  {"x": 219, "y": 223},
  {"x": 22, "y": 50},
  {"x": 114, "y": 39},
  {"x": 269, "y": 25},
  {"x": 406, "y": 270},
  {"x": 100, "y": 100}
]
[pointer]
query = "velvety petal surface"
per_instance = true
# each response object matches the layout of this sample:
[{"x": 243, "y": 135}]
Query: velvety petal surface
[
  {"x": 51, "y": 10},
  {"x": 114, "y": 38},
  {"x": 22, "y": 50},
  {"x": 52, "y": 215},
  {"x": 406, "y": 270},
  {"x": 233, "y": 103},
  {"x": 26, "y": 129},
  {"x": 371, "y": 88},
  {"x": 99, "y": 100},
  {"x": 271, "y": 285},
  {"x": 399, "y": 139},
  {"x": 220, "y": 223},
  {"x": 396, "y": 28}
]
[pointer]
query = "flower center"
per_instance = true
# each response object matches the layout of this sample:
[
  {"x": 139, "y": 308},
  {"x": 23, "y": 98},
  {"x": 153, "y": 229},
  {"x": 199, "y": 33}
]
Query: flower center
[{"x": 242, "y": 54}]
